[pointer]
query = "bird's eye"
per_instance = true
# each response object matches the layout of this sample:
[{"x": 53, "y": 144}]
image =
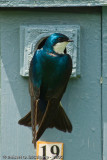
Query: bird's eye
[{"x": 59, "y": 39}]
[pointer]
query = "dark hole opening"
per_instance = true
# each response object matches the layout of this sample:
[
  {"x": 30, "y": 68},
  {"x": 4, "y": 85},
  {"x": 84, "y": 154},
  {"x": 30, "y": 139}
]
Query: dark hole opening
[
  {"x": 42, "y": 43},
  {"x": 65, "y": 51}
]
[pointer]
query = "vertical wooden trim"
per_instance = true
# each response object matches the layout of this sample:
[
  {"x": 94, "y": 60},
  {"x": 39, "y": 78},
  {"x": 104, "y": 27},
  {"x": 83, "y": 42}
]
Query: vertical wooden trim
[{"x": 104, "y": 84}]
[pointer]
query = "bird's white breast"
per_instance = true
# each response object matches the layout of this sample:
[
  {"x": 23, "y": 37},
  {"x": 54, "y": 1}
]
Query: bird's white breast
[{"x": 60, "y": 47}]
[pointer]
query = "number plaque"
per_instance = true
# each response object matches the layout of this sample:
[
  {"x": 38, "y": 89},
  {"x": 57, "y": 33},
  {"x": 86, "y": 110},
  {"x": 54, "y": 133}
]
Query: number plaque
[{"x": 49, "y": 150}]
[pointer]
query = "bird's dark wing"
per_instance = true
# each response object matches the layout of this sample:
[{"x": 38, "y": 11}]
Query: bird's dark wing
[
  {"x": 34, "y": 116},
  {"x": 54, "y": 109},
  {"x": 26, "y": 120},
  {"x": 34, "y": 89}
]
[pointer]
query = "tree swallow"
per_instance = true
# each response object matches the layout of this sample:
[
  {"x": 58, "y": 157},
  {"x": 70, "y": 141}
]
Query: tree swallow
[{"x": 49, "y": 73}]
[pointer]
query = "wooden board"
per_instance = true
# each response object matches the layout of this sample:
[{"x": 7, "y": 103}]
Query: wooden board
[{"x": 82, "y": 100}]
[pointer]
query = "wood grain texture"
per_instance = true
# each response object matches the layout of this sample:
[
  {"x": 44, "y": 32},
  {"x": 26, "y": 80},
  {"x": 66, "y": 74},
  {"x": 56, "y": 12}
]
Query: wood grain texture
[{"x": 82, "y": 100}]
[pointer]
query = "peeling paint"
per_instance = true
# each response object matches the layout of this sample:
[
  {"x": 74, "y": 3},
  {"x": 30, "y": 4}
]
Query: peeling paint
[{"x": 93, "y": 129}]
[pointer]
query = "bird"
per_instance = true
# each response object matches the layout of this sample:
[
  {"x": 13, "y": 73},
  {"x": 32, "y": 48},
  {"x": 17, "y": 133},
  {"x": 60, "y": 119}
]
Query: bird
[{"x": 49, "y": 73}]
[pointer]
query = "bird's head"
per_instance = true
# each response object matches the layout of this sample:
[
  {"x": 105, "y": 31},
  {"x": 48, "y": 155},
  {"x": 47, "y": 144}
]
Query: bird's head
[{"x": 57, "y": 42}]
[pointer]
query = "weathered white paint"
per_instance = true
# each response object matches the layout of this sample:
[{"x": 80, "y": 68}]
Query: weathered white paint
[{"x": 51, "y": 3}]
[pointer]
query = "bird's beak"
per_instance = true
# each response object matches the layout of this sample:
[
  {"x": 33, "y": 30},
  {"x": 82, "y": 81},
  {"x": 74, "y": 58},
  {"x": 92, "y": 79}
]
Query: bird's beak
[{"x": 69, "y": 40}]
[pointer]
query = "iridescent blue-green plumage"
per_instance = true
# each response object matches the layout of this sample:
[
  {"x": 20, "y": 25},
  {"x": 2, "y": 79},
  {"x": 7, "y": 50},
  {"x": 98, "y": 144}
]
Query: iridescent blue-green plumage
[{"x": 48, "y": 77}]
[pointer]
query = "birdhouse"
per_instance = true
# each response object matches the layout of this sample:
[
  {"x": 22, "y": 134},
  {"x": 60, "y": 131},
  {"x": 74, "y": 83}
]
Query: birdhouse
[{"x": 24, "y": 28}]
